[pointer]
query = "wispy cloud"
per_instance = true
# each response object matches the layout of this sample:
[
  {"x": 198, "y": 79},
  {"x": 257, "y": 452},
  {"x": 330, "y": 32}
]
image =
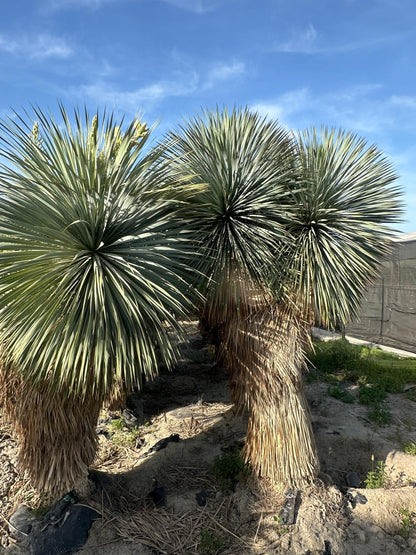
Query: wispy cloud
[
  {"x": 143, "y": 98},
  {"x": 195, "y": 6},
  {"x": 404, "y": 101},
  {"x": 361, "y": 108},
  {"x": 223, "y": 72},
  {"x": 36, "y": 48},
  {"x": 183, "y": 83},
  {"x": 55, "y": 5},
  {"x": 302, "y": 42},
  {"x": 285, "y": 105},
  {"x": 366, "y": 110},
  {"x": 309, "y": 41}
]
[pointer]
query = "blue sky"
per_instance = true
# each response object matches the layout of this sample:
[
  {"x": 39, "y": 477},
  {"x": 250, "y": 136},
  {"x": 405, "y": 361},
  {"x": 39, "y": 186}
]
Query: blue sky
[{"x": 343, "y": 63}]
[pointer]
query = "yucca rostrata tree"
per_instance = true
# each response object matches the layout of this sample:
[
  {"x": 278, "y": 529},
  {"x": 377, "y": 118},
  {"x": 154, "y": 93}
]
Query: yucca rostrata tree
[
  {"x": 91, "y": 275},
  {"x": 339, "y": 221},
  {"x": 280, "y": 223},
  {"x": 240, "y": 224}
]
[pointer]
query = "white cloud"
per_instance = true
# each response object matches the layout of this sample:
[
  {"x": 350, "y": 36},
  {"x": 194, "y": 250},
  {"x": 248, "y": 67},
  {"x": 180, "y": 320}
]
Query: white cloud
[
  {"x": 309, "y": 41},
  {"x": 196, "y": 6},
  {"x": 303, "y": 42},
  {"x": 404, "y": 101},
  {"x": 8, "y": 45},
  {"x": 56, "y": 5},
  {"x": 37, "y": 48},
  {"x": 223, "y": 72},
  {"x": 284, "y": 106},
  {"x": 184, "y": 83},
  {"x": 361, "y": 108},
  {"x": 143, "y": 98}
]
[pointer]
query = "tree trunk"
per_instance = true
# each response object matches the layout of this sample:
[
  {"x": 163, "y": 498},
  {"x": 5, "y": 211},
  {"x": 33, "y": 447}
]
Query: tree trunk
[
  {"x": 265, "y": 356},
  {"x": 56, "y": 432}
]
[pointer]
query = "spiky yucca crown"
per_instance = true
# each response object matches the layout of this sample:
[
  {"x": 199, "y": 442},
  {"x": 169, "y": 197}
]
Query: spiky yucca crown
[
  {"x": 238, "y": 221},
  {"x": 91, "y": 268},
  {"x": 300, "y": 219},
  {"x": 341, "y": 219}
]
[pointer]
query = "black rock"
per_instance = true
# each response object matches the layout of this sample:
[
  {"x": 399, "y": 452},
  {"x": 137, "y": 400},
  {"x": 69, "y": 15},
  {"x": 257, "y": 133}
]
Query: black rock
[
  {"x": 129, "y": 418},
  {"x": 361, "y": 499},
  {"x": 353, "y": 480},
  {"x": 288, "y": 514},
  {"x": 354, "y": 497},
  {"x": 21, "y": 523},
  {"x": 103, "y": 430},
  {"x": 57, "y": 512},
  {"x": 201, "y": 498},
  {"x": 67, "y": 534},
  {"x": 140, "y": 441}
]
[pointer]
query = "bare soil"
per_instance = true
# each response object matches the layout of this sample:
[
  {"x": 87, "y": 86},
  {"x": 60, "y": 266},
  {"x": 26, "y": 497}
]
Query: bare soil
[{"x": 191, "y": 409}]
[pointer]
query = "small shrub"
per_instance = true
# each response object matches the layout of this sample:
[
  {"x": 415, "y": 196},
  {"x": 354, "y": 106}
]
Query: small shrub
[
  {"x": 230, "y": 468},
  {"x": 371, "y": 394},
  {"x": 410, "y": 448},
  {"x": 336, "y": 356},
  {"x": 380, "y": 414},
  {"x": 388, "y": 380},
  {"x": 117, "y": 424},
  {"x": 312, "y": 375},
  {"x": 376, "y": 478},
  {"x": 406, "y": 522},
  {"x": 210, "y": 542},
  {"x": 411, "y": 394},
  {"x": 133, "y": 436},
  {"x": 338, "y": 392}
]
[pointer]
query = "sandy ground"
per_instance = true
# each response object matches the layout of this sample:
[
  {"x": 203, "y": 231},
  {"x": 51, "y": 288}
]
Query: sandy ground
[{"x": 193, "y": 402}]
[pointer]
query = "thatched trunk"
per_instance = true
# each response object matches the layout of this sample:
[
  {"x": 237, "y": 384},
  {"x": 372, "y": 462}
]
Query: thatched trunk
[
  {"x": 56, "y": 432},
  {"x": 265, "y": 356},
  {"x": 117, "y": 398}
]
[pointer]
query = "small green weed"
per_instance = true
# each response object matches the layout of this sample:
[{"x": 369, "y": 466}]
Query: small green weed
[
  {"x": 406, "y": 522},
  {"x": 380, "y": 414},
  {"x": 376, "y": 478},
  {"x": 210, "y": 542},
  {"x": 282, "y": 528},
  {"x": 229, "y": 468},
  {"x": 124, "y": 438},
  {"x": 132, "y": 436},
  {"x": 410, "y": 448},
  {"x": 41, "y": 505},
  {"x": 41, "y": 510},
  {"x": 117, "y": 424},
  {"x": 338, "y": 392},
  {"x": 411, "y": 394},
  {"x": 371, "y": 394}
]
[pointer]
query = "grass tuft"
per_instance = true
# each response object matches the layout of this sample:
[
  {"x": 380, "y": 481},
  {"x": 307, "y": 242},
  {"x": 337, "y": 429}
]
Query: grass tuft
[
  {"x": 230, "y": 468},
  {"x": 376, "y": 478}
]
